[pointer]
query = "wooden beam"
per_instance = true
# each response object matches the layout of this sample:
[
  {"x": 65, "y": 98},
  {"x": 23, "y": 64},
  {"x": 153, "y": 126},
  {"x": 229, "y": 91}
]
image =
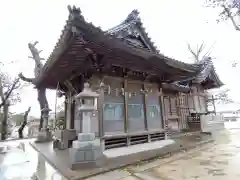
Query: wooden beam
[{"x": 69, "y": 86}]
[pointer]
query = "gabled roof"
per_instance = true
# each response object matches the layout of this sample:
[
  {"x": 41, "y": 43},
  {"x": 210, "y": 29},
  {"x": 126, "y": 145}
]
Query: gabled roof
[
  {"x": 81, "y": 39},
  {"x": 208, "y": 73},
  {"x": 132, "y": 27}
]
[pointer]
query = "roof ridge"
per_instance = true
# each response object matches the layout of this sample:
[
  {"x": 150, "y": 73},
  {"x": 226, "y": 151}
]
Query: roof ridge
[{"x": 134, "y": 18}]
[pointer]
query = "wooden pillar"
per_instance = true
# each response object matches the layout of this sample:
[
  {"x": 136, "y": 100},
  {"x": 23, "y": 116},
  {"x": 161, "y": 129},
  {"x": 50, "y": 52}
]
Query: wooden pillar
[
  {"x": 68, "y": 111},
  {"x": 193, "y": 102},
  {"x": 125, "y": 93},
  {"x": 179, "y": 110},
  {"x": 145, "y": 106},
  {"x": 100, "y": 105},
  {"x": 65, "y": 112},
  {"x": 205, "y": 102},
  {"x": 162, "y": 112},
  {"x": 199, "y": 102},
  {"x": 73, "y": 103},
  {"x": 213, "y": 102}
]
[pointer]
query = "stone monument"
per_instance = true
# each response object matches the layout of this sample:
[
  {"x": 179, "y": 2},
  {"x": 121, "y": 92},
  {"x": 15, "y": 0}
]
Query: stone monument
[
  {"x": 86, "y": 151},
  {"x": 45, "y": 135}
]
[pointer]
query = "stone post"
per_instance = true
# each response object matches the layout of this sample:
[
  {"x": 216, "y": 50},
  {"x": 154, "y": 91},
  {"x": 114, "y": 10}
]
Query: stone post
[
  {"x": 45, "y": 134},
  {"x": 86, "y": 151}
]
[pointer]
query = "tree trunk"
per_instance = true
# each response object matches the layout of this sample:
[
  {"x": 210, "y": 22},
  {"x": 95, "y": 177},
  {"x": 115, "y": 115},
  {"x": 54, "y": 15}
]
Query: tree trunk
[
  {"x": 4, "y": 129},
  {"x": 20, "y": 130},
  {"x": 42, "y": 99}
]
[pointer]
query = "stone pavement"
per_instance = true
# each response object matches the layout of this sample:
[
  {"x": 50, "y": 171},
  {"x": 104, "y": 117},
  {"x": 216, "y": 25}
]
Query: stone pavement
[{"x": 218, "y": 161}]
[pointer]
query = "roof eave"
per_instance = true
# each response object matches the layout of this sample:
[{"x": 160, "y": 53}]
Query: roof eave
[{"x": 60, "y": 48}]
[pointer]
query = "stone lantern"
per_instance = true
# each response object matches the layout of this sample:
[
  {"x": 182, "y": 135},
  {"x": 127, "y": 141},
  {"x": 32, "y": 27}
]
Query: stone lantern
[
  {"x": 86, "y": 107},
  {"x": 45, "y": 116},
  {"x": 86, "y": 151}
]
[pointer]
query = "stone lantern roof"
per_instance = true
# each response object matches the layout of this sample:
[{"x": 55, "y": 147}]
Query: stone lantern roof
[
  {"x": 87, "y": 93},
  {"x": 46, "y": 109}
]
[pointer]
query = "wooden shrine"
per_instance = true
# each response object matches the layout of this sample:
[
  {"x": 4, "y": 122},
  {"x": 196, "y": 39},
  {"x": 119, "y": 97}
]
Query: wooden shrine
[{"x": 143, "y": 95}]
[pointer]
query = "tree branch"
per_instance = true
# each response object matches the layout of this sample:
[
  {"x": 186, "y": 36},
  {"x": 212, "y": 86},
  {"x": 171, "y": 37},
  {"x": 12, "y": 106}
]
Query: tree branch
[
  {"x": 9, "y": 92},
  {"x": 198, "y": 51},
  {"x": 22, "y": 77},
  {"x": 192, "y": 52},
  {"x": 229, "y": 14}
]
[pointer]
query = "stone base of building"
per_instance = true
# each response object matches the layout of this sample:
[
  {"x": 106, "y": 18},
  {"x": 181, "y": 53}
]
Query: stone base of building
[
  {"x": 117, "y": 157},
  {"x": 111, "y": 159}
]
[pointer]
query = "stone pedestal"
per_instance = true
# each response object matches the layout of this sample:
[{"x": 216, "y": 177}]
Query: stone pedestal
[
  {"x": 86, "y": 152},
  {"x": 3, "y": 149},
  {"x": 44, "y": 135},
  {"x": 64, "y": 138}
]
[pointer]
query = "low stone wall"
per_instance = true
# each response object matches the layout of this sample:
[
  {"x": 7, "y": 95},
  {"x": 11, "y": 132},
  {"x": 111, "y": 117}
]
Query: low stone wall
[{"x": 211, "y": 123}]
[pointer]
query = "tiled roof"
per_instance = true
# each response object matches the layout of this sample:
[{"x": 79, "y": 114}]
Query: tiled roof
[{"x": 207, "y": 71}]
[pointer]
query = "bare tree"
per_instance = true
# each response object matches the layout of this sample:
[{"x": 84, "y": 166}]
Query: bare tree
[
  {"x": 230, "y": 10},
  {"x": 200, "y": 51},
  {"x": 7, "y": 87},
  {"x": 8, "y": 96},
  {"x": 223, "y": 98},
  {"x": 42, "y": 99}
]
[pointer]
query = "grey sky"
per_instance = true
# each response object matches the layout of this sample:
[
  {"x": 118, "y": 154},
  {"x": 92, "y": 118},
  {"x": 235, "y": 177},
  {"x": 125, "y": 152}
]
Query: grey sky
[{"x": 170, "y": 24}]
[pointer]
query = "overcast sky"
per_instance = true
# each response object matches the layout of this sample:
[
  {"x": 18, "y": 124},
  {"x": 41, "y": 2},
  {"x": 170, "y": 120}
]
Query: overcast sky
[{"x": 170, "y": 24}]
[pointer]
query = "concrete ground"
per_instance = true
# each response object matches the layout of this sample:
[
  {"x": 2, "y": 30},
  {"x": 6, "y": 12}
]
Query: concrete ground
[
  {"x": 23, "y": 162},
  {"x": 213, "y": 161}
]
